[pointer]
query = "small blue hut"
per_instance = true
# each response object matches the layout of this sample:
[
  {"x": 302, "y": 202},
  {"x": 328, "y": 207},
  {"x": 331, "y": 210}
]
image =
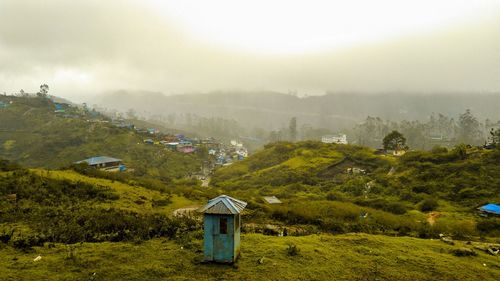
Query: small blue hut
[{"x": 222, "y": 225}]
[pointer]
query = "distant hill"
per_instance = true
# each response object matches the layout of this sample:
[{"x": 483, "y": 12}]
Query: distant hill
[
  {"x": 33, "y": 134},
  {"x": 335, "y": 111}
]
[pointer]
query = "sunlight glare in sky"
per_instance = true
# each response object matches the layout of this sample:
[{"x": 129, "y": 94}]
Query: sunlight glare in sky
[{"x": 283, "y": 27}]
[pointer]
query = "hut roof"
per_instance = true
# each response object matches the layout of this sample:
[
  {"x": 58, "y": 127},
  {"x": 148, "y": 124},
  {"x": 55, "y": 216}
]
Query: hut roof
[
  {"x": 99, "y": 160},
  {"x": 223, "y": 205},
  {"x": 272, "y": 200}
]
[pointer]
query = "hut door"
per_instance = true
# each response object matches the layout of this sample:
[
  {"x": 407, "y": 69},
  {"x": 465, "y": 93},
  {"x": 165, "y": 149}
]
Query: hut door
[{"x": 223, "y": 239}]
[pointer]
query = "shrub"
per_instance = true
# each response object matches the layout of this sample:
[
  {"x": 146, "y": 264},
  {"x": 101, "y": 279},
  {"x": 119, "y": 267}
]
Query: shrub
[
  {"x": 463, "y": 252},
  {"x": 335, "y": 196},
  {"x": 26, "y": 243},
  {"x": 6, "y": 236},
  {"x": 161, "y": 202},
  {"x": 428, "y": 205},
  {"x": 292, "y": 250},
  {"x": 382, "y": 204},
  {"x": 489, "y": 226}
]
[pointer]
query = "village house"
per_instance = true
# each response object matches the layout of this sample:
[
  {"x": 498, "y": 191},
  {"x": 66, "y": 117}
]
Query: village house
[
  {"x": 3, "y": 104},
  {"x": 271, "y": 200},
  {"x": 222, "y": 227},
  {"x": 185, "y": 146},
  {"x": 105, "y": 163},
  {"x": 338, "y": 139},
  {"x": 59, "y": 108}
]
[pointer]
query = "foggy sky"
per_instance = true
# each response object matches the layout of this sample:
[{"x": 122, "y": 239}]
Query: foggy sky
[{"x": 82, "y": 48}]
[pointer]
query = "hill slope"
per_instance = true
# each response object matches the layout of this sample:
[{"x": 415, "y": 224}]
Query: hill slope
[
  {"x": 343, "y": 188},
  {"x": 32, "y": 134},
  {"x": 134, "y": 236}
]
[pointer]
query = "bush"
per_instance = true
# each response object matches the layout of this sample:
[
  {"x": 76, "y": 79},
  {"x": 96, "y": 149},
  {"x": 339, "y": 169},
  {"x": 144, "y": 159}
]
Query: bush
[
  {"x": 428, "y": 205},
  {"x": 335, "y": 196},
  {"x": 489, "y": 226},
  {"x": 26, "y": 243},
  {"x": 382, "y": 204},
  {"x": 463, "y": 252},
  {"x": 6, "y": 236},
  {"x": 292, "y": 250}
]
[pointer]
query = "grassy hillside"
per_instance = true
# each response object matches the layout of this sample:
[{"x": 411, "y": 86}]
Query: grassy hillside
[
  {"x": 41, "y": 206},
  {"x": 320, "y": 257},
  {"x": 32, "y": 134},
  {"x": 304, "y": 162},
  {"x": 420, "y": 193},
  {"x": 85, "y": 228},
  {"x": 131, "y": 198}
]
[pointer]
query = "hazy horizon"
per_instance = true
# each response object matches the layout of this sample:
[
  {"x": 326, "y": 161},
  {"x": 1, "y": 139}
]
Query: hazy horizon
[{"x": 86, "y": 48}]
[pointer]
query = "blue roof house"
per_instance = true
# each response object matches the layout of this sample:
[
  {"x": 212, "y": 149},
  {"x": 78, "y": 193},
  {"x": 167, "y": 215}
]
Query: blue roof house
[
  {"x": 492, "y": 209},
  {"x": 104, "y": 163},
  {"x": 3, "y": 104},
  {"x": 222, "y": 228}
]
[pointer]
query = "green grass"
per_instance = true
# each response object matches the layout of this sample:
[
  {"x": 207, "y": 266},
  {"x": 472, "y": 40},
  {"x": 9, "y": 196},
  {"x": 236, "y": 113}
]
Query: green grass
[
  {"x": 132, "y": 198},
  {"x": 321, "y": 257}
]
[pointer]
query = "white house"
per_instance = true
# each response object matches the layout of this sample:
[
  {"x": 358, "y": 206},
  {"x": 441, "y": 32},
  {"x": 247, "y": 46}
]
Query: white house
[{"x": 339, "y": 139}]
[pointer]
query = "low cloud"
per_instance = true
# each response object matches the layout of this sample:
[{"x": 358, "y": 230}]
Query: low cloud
[{"x": 87, "y": 47}]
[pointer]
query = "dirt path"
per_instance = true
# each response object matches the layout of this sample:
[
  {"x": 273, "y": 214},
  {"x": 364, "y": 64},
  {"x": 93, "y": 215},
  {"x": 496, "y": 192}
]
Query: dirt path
[
  {"x": 186, "y": 211},
  {"x": 205, "y": 182},
  {"x": 432, "y": 216}
]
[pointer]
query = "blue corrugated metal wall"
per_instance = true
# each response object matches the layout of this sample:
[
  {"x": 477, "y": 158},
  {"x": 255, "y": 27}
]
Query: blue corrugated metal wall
[{"x": 220, "y": 247}]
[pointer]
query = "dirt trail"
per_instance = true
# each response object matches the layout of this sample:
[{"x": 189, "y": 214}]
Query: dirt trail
[
  {"x": 186, "y": 211},
  {"x": 432, "y": 216}
]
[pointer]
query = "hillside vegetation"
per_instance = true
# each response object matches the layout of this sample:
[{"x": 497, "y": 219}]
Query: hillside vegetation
[
  {"x": 90, "y": 224},
  {"x": 103, "y": 227},
  {"x": 32, "y": 134},
  {"x": 40, "y": 206},
  {"x": 343, "y": 188}
]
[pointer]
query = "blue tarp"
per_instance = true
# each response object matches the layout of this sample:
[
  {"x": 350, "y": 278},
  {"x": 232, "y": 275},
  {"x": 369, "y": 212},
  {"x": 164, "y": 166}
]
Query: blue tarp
[{"x": 490, "y": 208}]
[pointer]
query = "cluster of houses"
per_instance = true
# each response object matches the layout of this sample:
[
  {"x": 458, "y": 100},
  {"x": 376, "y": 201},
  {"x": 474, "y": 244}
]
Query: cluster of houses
[
  {"x": 224, "y": 154},
  {"x": 181, "y": 143},
  {"x": 228, "y": 154},
  {"x": 122, "y": 123}
]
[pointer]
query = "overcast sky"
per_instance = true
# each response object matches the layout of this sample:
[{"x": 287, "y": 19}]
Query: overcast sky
[{"x": 86, "y": 47}]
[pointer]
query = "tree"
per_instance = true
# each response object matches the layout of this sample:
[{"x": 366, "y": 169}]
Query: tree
[
  {"x": 274, "y": 136},
  {"x": 495, "y": 136},
  {"x": 394, "y": 141},
  {"x": 415, "y": 131},
  {"x": 371, "y": 131},
  {"x": 293, "y": 129},
  {"x": 468, "y": 128},
  {"x": 131, "y": 114},
  {"x": 44, "y": 89}
]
